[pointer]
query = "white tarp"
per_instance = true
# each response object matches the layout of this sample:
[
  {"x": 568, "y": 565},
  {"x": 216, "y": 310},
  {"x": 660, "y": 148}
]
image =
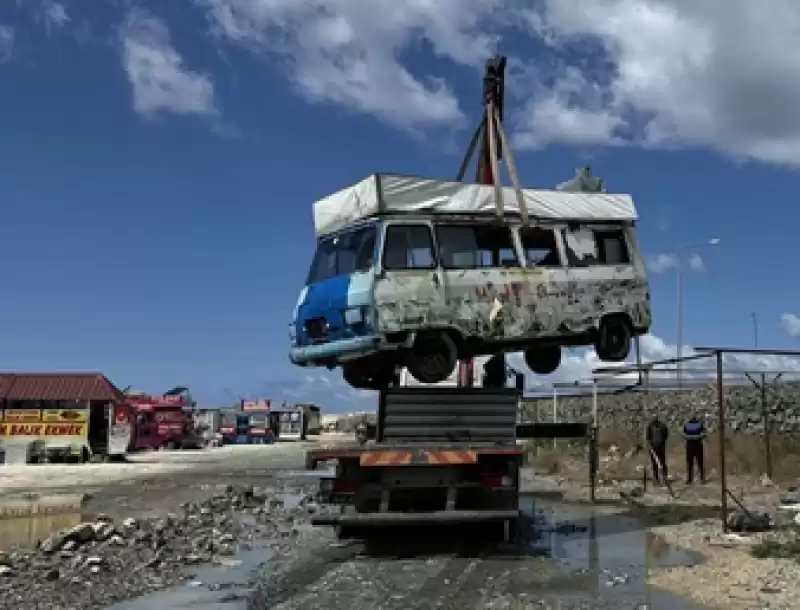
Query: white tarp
[{"x": 392, "y": 193}]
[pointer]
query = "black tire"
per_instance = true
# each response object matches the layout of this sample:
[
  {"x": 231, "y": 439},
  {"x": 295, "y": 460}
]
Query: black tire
[
  {"x": 614, "y": 339},
  {"x": 543, "y": 360},
  {"x": 368, "y": 375},
  {"x": 432, "y": 358}
]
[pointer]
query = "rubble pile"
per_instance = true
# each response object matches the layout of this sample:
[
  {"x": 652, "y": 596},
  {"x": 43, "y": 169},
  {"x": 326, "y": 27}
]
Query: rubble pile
[
  {"x": 623, "y": 411},
  {"x": 99, "y": 562}
]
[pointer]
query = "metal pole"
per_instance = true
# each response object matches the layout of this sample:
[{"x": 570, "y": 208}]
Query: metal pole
[
  {"x": 765, "y": 419},
  {"x": 723, "y": 483},
  {"x": 679, "y": 322},
  {"x": 755, "y": 329},
  {"x": 594, "y": 455},
  {"x": 555, "y": 413},
  {"x": 645, "y": 411}
]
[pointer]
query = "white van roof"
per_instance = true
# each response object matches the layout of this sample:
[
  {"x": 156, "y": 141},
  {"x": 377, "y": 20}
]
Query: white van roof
[{"x": 396, "y": 194}]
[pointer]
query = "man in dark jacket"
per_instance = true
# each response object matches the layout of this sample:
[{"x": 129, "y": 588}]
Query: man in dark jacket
[
  {"x": 694, "y": 431},
  {"x": 657, "y": 435}
]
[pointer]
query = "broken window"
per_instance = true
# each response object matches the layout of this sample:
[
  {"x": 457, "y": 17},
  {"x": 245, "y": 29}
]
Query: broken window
[
  {"x": 408, "y": 247},
  {"x": 587, "y": 247},
  {"x": 612, "y": 248},
  {"x": 470, "y": 246},
  {"x": 539, "y": 246},
  {"x": 580, "y": 247}
]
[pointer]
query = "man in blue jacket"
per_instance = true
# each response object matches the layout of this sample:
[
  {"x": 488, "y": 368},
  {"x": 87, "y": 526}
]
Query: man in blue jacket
[{"x": 694, "y": 432}]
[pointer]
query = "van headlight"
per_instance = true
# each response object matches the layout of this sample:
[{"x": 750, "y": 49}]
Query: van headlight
[
  {"x": 353, "y": 316},
  {"x": 292, "y": 332}
]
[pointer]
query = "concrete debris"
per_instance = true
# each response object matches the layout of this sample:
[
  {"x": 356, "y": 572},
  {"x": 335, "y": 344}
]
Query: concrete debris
[{"x": 99, "y": 562}]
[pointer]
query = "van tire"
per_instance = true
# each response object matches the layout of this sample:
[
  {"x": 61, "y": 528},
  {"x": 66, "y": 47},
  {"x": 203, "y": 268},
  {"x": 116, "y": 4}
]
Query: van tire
[
  {"x": 543, "y": 360},
  {"x": 368, "y": 374},
  {"x": 614, "y": 338},
  {"x": 432, "y": 358}
]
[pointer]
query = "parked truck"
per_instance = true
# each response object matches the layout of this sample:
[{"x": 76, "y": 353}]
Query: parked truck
[{"x": 443, "y": 455}]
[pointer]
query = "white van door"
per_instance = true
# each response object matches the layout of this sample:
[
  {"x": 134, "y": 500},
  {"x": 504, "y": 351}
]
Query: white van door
[
  {"x": 547, "y": 280},
  {"x": 485, "y": 284},
  {"x": 409, "y": 290}
]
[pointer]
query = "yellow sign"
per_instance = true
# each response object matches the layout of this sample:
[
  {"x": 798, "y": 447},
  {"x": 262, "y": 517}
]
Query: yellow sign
[
  {"x": 22, "y": 415},
  {"x": 70, "y": 416},
  {"x": 42, "y": 429}
]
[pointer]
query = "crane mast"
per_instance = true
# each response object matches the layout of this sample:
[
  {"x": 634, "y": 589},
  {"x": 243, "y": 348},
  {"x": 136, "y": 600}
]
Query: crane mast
[{"x": 490, "y": 151}]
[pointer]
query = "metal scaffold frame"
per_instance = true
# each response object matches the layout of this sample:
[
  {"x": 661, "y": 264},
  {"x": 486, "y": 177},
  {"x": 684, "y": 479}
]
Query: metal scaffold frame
[{"x": 645, "y": 370}]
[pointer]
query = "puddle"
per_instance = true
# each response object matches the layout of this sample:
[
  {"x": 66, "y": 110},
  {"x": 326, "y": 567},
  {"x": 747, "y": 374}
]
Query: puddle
[
  {"x": 26, "y": 532},
  {"x": 225, "y": 587},
  {"x": 614, "y": 553}
]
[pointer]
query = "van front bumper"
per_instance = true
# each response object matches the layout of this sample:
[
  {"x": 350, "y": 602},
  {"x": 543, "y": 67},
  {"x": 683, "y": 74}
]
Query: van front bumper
[{"x": 335, "y": 351}]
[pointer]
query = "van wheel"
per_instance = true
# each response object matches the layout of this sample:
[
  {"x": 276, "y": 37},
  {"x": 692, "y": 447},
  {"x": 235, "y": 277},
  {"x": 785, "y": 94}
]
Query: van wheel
[
  {"x": 368, "y": 374},
  {"x": 614, "y": 337},
  {"x": 432, "y": 358},
  {"x": 543, "y": 360}
]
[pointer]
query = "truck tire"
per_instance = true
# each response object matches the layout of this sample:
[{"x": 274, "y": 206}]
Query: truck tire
[
  {"x": 614, "y": 338},
  {"x": 543, "y": 360},
  {"x": 368, "y": 374},
  {"x": 432, "y": 358}
]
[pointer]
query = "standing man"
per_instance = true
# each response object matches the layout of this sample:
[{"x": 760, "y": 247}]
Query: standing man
[
  {"x": 694, "y": 431},
  {"x": 657, "y": 435}
]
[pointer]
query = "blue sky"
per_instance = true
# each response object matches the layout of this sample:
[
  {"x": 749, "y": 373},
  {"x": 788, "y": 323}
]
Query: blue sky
[{"x": 160, "y": 161}]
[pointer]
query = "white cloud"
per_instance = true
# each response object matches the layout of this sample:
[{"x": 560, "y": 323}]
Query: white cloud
[
  {"x": 55, "y": 14},
  {"x": 791, "y": 324},
  {"x": 348, "y": 51},
  {"x": 160, "y": 80},
  {"x": 675, "y": 75},
  {"x": 651, "y": 73},
  {"x": 662, "y": 262},
  {"x": 659, "y": 263},
  {"x": 6, "y": 43},
  {"x": 697, "y": 264}
]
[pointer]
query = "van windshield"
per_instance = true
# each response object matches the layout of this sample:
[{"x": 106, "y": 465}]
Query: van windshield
[{"x": 343, "y": 254}]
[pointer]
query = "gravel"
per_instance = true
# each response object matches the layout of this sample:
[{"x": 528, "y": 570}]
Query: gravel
[
  {"x": 102, "y": 561},
  {"x": 623, "y": 411}
]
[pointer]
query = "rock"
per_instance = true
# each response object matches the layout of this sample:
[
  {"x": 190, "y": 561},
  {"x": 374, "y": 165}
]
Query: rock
[
  {"x": 83, "y": 532},
  {"x": 790, "y": 497},
  {"x": 102, "y": 530},
  {"x": 53, "y": 543},
  {"x": 52, "y": 574},
  {"x": 740, "y": 521}
]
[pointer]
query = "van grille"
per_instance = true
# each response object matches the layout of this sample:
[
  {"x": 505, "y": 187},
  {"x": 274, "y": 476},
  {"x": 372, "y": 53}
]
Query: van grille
[{"x": 317, "y": 329}]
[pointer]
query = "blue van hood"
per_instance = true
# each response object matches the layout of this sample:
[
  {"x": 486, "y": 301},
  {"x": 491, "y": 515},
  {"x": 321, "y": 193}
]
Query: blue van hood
[{"x": 330, "y": 299}]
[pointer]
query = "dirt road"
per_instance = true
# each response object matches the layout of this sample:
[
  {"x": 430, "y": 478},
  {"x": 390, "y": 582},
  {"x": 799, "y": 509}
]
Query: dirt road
[{"x": 573, "y": 557}]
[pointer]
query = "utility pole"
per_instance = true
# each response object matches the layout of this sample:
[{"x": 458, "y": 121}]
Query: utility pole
[{"x": 679, "y": 305}]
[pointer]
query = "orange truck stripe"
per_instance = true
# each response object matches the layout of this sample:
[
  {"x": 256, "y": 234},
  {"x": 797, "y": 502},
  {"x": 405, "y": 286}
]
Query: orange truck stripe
[
  {"x": 406, "y": 458},
  {"x": 385, "y": 458},
  {"x": 452, "y": 457}
]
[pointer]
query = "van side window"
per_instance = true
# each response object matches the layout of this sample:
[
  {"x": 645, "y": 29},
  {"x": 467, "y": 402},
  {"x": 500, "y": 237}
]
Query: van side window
[
  {"x": 539, "y": 246},
  {"x": 588, "y": 248},
  {"x": 471, "y": 246},
  {"x": 580, "y": 247},
  {"x": 612, "y": 249},
  {"x": 408, "y": 247}
]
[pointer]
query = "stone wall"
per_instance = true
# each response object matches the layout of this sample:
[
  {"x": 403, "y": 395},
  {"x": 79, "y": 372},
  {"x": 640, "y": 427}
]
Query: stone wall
[{"x": 623, "y": 411}]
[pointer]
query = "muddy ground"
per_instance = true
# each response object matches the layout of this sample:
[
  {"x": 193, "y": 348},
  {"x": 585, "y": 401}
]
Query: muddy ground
[{"x": 573, "y": 555}]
